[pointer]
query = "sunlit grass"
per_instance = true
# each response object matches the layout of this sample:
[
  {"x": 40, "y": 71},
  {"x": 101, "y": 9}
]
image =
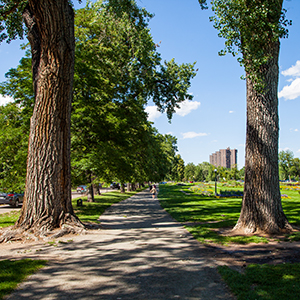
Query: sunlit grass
[
  {"x": 12, "y": 272},
  {"x": 9, "y": 219},
  {"x": 204, "y": 216},
  {"x": 264, "y": 282}
]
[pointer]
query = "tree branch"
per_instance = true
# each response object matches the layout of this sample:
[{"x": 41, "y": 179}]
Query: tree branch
[{"x": 10, "y": 11}]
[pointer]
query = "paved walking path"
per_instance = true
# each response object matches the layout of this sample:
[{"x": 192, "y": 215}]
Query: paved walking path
[{"x": 141, "y": 253}]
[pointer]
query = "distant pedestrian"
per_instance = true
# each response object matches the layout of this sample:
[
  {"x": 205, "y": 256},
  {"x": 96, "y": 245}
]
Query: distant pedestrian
[{"x": 153, "y": 191}]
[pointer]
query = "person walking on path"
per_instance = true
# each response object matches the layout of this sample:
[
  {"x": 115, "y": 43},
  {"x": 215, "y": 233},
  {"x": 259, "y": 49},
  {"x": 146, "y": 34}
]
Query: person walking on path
[{"x": 153, "y": 191}]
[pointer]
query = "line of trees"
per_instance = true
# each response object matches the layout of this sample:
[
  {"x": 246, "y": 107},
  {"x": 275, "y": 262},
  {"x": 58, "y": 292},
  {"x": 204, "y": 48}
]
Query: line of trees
[
  {"x": 206, "y": 172},
  {"x": 252, "y": 30},
  {"x": 102, "y": 124}
]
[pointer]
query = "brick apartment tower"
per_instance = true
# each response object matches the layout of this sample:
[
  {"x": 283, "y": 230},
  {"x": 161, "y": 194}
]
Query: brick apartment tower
[{"x": 226, "y": 158}]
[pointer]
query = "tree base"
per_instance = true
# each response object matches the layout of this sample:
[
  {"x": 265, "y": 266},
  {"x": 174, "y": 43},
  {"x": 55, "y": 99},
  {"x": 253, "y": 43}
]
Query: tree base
[
  {"x": 270, "y": 229},
  {"x": 12, "y": 234},
  {"x": 70, "y": 224}
]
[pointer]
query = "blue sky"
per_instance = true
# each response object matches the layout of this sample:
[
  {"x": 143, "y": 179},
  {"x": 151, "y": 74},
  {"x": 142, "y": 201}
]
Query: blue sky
[{"x": 216, "y": 117}]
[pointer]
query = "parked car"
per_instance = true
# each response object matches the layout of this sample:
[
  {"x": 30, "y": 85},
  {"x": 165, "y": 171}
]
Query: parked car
[
  {"x": 81, "y": 189},
  {"x": 15, "y": 199},
  {"x": 115, "y": 185},
  {"x": 3, "y": 197}
]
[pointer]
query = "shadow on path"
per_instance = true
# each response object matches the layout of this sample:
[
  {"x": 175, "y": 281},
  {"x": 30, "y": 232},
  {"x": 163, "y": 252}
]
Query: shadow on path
[{"x": 141, "y": 253}]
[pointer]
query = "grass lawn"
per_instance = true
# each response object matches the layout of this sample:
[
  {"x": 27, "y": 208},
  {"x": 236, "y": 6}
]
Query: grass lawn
[
  {"x": 12, "y": 272},
  {"x": 203, "y": 214},
  {"x": 265, "y": 282},
  {"x": 9, "y": 219}
]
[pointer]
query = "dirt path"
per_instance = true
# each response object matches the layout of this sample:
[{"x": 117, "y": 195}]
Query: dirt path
[{"x": 141, "y": 253}]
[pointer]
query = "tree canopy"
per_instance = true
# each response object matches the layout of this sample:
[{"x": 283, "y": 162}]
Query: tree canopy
[
  {"x": 246, "y": 25},
  {"x": 117, "y": 70}
]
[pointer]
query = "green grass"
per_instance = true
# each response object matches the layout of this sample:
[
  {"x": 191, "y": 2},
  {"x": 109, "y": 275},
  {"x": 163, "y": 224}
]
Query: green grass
[
  {"x": 203, "y": 216},
  {"x": 9, "y": 219},
  {"x": 12, "y": 272},
  {"x": 89, "y": 212},
  {"x": 264, "y": 282}
]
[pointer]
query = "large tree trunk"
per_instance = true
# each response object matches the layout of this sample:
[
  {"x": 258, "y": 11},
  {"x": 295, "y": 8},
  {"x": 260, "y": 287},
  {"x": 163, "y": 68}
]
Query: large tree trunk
[
  {"x": 261, "y": 207},
  {"x": 47, "y": 203}
]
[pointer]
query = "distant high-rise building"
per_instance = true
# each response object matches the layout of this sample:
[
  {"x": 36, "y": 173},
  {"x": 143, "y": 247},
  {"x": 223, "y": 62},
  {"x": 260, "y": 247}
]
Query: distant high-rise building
[{"x": 226, "y": 158}]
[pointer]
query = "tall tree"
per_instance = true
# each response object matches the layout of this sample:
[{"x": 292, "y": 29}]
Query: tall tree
[
  {"x": 253, "y": 28},
  {"x": 50, "y": 31}
]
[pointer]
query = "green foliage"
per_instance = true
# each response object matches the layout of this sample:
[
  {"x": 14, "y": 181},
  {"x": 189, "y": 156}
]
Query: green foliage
[
  {"x": 177, "y": 171},
  {"x": 117, "y": 69},
  {"x": 250, "y": 28},
  {"x": 264, "y": 281},
  {"x": 170, "y": 86},
  {"x": 289, "y": 167},
  {"x": 13, "y": 147},
  {"x": 14, "y": 125},
  {"x": 12, "y": 272},
  {"x": 111, "y": 136},
  {"x": 11, "y": 22},
  {"x": 189, "y": 172}
]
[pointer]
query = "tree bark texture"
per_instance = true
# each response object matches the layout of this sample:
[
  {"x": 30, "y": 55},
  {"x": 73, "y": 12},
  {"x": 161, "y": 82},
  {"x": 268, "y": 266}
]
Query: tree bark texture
[
  {"x": 261, "y": 207},
  {"x": 47, "y": 203}
]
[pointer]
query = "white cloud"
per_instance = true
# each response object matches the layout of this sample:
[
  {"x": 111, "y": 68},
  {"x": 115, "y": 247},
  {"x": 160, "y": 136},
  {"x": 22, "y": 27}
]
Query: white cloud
[
  {"x": 293, "y": 71},
  {"x": 231, "y": 111},
  {"x": 186, "y": 107},
  {"x": 298, "y": 151},
  {"x": 5, "y": 99},
  {"x": 153, "y": 113},
  {"x": 191, "y": 135},
  {"x": 292, "y": 91}
]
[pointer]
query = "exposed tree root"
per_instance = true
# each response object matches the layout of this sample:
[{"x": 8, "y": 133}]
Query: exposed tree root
[
  {"x": 270, "y": 228},
  {"x": 42, "y": 233}
]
